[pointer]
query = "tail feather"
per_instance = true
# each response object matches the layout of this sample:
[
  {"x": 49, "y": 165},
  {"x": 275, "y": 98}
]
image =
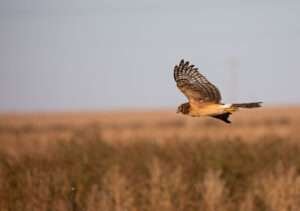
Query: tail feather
[{"x": 247, "y": 105}]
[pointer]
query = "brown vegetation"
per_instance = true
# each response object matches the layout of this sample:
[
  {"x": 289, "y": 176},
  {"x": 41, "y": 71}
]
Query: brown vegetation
[{"x": 150, "y": 161}]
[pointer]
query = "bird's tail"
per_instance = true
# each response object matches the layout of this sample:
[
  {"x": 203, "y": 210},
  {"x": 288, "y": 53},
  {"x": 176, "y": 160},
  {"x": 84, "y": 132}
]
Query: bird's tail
[
  {"x": 247, "y": 105},
  {"x": 235, "y": 106},
  {"x": 230, "y": 108}
]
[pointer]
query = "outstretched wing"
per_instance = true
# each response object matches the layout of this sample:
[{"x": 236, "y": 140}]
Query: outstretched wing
[{"x": 194, "y": 85}]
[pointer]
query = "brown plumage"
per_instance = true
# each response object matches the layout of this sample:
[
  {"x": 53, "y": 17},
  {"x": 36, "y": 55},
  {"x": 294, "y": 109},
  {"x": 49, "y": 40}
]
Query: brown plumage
[{"x": 203, "y": 96}]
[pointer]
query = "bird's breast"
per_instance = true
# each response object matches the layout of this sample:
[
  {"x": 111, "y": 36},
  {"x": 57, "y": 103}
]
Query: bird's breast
[{"x": 206, "y": 110}]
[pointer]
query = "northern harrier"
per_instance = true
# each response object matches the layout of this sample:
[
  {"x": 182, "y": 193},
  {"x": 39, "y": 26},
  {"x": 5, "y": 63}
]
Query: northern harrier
[{"x": 204, "y": 97}]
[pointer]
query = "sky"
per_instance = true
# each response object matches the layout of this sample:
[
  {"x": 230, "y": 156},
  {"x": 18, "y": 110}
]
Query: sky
[{"x": 113, "y": 54}]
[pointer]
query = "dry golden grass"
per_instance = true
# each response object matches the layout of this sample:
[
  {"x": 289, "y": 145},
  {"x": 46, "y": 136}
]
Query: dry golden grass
[{"x": 150, "y": 161}]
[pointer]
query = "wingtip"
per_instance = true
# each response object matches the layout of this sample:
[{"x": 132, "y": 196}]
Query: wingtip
[
  {"x": 184, "y": 63},
  {"x": 227, "y": 119},
  {"x": 259, "y": 104},
  {"x": 228, "y": 122}
]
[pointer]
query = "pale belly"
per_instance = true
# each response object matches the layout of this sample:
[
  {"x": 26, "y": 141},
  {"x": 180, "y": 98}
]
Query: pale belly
[{"x": 208, "y": 110}]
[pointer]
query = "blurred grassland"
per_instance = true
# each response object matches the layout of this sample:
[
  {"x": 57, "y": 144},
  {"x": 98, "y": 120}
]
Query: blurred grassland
[{"x": 154, "y": 160}]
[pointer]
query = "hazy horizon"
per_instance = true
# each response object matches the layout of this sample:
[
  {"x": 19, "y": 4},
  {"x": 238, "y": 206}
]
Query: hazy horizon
[{"x": 106, "y": 55}]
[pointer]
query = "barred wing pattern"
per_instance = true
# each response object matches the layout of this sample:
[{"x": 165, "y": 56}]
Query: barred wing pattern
[{"x": 194, "y": 85}]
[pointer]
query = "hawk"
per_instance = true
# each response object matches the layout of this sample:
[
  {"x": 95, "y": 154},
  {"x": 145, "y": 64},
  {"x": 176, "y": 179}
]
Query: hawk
[{"x": 204, "y": 98}]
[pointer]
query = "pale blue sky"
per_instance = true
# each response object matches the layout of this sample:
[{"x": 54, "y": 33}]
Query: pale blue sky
[{"x": 109, "y": 54}]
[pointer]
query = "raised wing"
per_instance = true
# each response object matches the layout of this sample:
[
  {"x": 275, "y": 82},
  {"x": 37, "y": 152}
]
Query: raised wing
[{"x": 194, "y": 85}]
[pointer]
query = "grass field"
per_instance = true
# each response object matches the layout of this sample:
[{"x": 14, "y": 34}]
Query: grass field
[{"x": 152, "y": 161}]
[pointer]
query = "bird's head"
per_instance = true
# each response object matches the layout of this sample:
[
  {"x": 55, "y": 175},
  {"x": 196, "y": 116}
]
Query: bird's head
[{"x": 183, "y": 108}]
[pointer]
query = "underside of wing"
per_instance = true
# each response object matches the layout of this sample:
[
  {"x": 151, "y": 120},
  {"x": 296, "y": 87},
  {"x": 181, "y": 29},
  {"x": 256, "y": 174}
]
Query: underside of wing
[{"x": 194, "y": 85}]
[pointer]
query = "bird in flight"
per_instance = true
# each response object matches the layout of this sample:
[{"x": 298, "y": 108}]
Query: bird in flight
[{"x": 204, "y": 98}]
